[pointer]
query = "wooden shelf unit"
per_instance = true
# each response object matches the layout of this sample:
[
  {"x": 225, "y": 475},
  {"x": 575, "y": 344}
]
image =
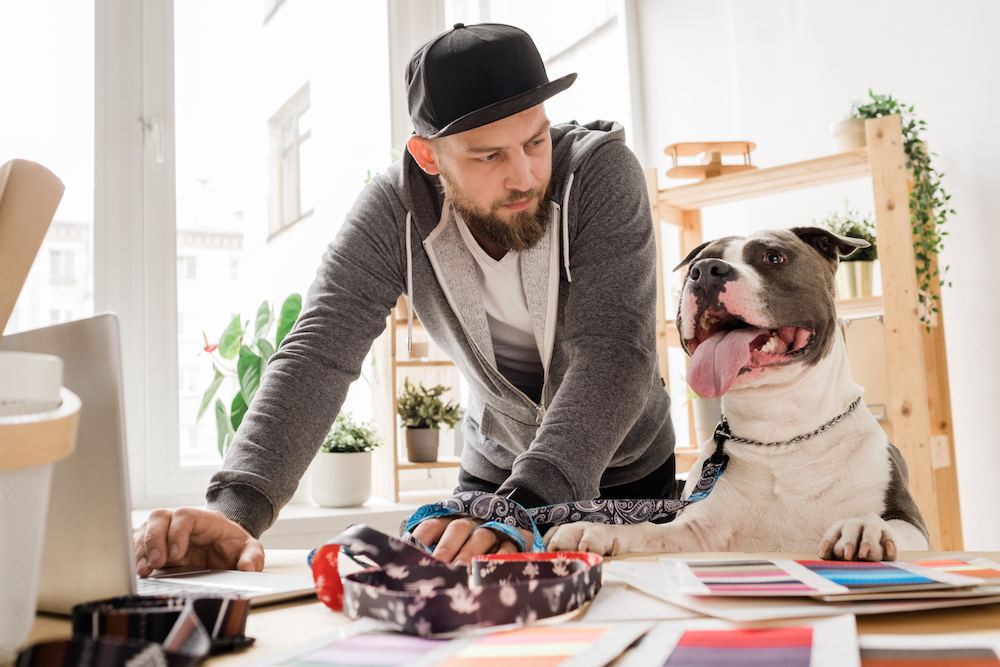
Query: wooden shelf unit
[
  {"x": 918, "y": 407},
  {"x": 389, "y": 360}
]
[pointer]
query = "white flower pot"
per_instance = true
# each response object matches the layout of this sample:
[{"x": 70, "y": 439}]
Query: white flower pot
[
  {"x": 848, "y": 134},
  {"x": 341, "y": 480}
]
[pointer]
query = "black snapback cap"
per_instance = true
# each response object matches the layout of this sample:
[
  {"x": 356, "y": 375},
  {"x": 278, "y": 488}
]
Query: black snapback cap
[{"x": 473, "y": 75}]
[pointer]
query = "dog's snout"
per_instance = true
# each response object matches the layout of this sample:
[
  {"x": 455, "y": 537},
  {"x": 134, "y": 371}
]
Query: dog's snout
[{"x": 708, "y": 273}]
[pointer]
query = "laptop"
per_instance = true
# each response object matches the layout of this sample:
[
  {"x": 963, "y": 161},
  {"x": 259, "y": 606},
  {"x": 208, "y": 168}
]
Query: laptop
[{"x": 88, "y": 536}]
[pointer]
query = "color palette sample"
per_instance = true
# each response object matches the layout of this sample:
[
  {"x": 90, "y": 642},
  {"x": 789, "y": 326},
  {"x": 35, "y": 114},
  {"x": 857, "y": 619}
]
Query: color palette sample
[
  {"x": 775, "y": 647},
  {"x": 539, "y": 646},
  {"x": 761, "y": 577},
  {"x": 962, "y": 567},
  {"x": 374, "y": 650},
  {"x": 941, "y": 657},
  {"x": 859, "y": 576}
]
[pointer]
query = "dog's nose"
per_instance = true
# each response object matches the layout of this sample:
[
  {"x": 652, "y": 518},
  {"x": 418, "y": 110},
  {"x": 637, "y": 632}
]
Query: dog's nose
[{"x": 709, "y": 273}]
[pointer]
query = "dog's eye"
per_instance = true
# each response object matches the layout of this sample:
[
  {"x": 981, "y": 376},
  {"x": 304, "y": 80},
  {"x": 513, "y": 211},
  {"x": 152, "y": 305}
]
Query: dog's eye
[{"x": 773, "y": 257}]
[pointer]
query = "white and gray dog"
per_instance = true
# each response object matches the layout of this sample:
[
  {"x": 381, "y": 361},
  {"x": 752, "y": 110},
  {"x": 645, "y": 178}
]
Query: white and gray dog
[{"x": 757, "y": 317}]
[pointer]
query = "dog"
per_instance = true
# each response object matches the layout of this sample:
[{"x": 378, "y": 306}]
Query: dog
[{"x": 809, "y": 466}]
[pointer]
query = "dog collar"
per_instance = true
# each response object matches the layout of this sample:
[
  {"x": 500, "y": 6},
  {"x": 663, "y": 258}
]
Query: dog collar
[{"x": 722, "y": 432}]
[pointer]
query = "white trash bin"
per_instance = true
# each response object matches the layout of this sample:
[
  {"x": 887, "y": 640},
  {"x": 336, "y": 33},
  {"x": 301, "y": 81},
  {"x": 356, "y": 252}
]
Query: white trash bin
[{"x": 38, "y": 422}]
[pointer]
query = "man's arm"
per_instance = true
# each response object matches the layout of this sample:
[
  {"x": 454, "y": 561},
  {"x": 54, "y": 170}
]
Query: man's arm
[
  {"x": 609, "y": 329},
  {"x": 301, "y": 391}
]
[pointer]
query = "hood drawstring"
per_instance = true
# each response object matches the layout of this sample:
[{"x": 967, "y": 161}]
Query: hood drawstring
[
  {"x": 565, "y": 227},
  {"x": 409, "y": 286}
]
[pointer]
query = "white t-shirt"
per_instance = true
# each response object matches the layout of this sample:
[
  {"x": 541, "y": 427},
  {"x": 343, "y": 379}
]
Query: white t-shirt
[{"x": 506, "y": 307}]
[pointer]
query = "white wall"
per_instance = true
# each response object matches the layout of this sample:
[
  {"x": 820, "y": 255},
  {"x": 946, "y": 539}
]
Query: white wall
[{"x": 778, "y": 72}]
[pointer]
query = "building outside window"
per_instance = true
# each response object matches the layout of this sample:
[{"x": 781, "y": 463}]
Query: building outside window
[
  {"x": 61, "y": 266},
  {"x": 187, "y": 268},
  {"x": 290, "y": 132}
]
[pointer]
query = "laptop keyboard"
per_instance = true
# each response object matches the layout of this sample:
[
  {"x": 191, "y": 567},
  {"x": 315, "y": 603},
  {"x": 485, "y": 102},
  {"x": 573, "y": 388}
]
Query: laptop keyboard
[{"x": 168, "y": 587}]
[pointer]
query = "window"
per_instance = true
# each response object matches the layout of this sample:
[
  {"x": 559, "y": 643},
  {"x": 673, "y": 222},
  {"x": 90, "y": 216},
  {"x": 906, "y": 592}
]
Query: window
[
  {"x": 290, "y": 130},
  {"x": 61, "y": 266},
  {"x": 234, "y": 268},
  {"x": 187, "y": 268},
  {"x": 48, "y": 117}
]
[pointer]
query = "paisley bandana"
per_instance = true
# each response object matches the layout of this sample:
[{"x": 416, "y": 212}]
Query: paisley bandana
[
  {"x": 505, "y": 515},
  {"x": 421, "y": 595}
]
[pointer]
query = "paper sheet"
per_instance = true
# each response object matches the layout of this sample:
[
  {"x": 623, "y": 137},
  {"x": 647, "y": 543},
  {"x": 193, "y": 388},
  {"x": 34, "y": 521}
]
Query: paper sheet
[
  {"x": 828, "y": 642},
  {"x": 617, "y": 601}
]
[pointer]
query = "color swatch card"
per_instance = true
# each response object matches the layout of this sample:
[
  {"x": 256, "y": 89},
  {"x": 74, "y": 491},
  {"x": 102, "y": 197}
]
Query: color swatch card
[
  {"x": 649, "y": 578},
  {"x": 970, "y": 568},
  {"x": 618, "y": 601},
  {"x": 966, "y": 566},
  {"x": 565, "y": 645},
  {"x": 828, "y": 642},
  {"x": 930, "y": 650},
  {"x": 798, "y": 578}
]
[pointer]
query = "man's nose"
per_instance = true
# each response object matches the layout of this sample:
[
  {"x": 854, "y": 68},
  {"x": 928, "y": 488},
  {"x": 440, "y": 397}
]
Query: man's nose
[{"x": 519, "y": 175}]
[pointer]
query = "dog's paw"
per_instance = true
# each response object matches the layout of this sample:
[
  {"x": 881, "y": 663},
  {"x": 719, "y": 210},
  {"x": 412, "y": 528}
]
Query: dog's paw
[
  {"x": 596, "y": 538},
  {"x": 868, "y": 539}
]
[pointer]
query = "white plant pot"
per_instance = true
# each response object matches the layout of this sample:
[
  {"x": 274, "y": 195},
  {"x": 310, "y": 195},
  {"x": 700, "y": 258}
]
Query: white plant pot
[
  {"x": 341, "y": 480},
  {"x": 848, "y": 134}
]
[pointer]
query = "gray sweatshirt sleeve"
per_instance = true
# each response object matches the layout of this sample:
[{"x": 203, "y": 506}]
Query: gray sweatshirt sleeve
[
  {"x": 609, "y": 322},
  {"x": 306, "y": 381}
]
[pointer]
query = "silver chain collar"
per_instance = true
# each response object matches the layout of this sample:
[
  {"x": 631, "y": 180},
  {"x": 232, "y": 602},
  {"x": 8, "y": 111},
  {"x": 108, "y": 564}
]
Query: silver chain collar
[{"x": 724, "y": 427}]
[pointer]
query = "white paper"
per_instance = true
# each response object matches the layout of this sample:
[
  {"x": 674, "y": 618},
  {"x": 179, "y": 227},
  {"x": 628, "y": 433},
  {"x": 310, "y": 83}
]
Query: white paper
[
  {"x": 617, "y": 601},
  {"x": 834, "y": 642}
]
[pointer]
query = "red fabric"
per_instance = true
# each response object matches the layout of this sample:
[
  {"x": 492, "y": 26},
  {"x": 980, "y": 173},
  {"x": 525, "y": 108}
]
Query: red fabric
[
  {"x": 767, "y": 638},
  {"x": 329, "y": 587}
]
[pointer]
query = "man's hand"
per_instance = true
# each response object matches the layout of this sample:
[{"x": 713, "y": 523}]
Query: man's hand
[
  {"x": 199, "y": 538},
  {"x": 458, "y": 540}
]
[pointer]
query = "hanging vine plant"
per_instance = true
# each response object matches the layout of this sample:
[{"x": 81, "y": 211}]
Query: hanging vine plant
[{"x": 929, "y": 207}]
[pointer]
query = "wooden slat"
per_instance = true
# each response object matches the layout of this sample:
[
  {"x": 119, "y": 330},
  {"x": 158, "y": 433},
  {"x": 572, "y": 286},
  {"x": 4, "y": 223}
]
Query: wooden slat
[
  {"x": 747, "y": 185},
  {"x": 661, "y": 318},
  {"x": 442, "y": 462},
  {"x": 385, "y": 482},
  {"x": 691, "y": 236},
  {"x": 939, "y": 403},
  {"x": 865, "y": 306},
  {"x": 908, "y": 408},
  {"x": 692, "y": 148}
]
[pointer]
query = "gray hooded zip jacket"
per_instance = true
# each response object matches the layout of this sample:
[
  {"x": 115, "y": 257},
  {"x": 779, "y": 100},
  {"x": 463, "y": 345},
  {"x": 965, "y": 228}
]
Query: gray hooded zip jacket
[{"x": 590, "y": 285}]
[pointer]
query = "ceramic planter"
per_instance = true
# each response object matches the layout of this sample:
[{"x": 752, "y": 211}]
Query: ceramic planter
[
  {"x": 341, "y": 480},
  {"x": 855, "y": 279},
  {"x": 422, "y": 444},
  {"x": 848, "y": 134}
]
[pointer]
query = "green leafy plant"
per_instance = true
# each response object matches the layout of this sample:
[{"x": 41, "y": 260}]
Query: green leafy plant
[
  {"x": 348, "y": 437},
  {"x": 929, "y": 207},
  {"x": 419, "y": 407},
  {"x": 852, "y": 223},
  {"x": 250, "y": 350}
]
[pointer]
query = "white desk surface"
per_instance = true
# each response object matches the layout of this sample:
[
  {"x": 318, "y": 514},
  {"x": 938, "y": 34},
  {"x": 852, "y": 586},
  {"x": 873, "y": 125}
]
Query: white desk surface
[{"x": 280, "y": 627}]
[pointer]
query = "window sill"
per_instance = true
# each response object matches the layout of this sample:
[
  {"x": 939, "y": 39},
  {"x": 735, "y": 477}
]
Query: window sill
[{"x": 306, "y": 526}]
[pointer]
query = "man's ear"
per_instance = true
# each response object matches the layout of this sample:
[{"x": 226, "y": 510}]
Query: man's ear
[
  {"x": 828, "y": 244},
  {"x": 424, "y": 153}
]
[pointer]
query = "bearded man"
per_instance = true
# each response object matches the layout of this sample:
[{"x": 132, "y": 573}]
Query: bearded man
[{"x": 527, "y": 252}]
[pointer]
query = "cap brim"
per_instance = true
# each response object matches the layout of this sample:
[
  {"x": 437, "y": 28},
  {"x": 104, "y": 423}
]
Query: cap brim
[{"x": 505, "y": 108}]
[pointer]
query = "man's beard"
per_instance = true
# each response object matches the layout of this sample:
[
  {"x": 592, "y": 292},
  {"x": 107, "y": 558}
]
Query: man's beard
[{"x": 518, "y": 233}]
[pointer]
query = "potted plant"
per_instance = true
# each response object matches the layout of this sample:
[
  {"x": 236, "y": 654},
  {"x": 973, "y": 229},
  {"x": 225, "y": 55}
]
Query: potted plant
[
  {"x": 929, "y": 207},
  {"x": 251, "y": 350},
  {"x": 422, "y": 412},
  {"x": 855, "y": 276},
  {"x": 342, "y": 469}
]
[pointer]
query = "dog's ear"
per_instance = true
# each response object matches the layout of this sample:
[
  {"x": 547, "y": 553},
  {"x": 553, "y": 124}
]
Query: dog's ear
[
  {"x": 831, "y": 246},
  {"x": 692, "y": 255}
]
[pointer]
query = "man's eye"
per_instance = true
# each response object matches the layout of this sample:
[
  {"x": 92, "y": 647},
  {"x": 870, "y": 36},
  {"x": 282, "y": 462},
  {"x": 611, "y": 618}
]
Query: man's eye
[
  {"x": 773, "y": 257},
  {"x": 488, "y": 158}
]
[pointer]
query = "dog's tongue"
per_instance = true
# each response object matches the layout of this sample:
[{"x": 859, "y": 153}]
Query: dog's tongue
[{"x": 717, "y": 361}]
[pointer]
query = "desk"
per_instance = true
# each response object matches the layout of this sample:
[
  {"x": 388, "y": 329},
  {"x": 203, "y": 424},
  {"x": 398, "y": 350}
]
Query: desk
[{"x": 283, "y": 626}]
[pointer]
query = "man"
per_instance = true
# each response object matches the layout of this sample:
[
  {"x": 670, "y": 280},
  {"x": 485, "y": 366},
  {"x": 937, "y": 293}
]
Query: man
[{"x": 527, "y": 252}]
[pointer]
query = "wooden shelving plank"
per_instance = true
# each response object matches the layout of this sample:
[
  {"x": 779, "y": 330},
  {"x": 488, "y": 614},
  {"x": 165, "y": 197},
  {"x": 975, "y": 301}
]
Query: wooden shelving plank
[
  {"x": 866, "y": 306},
  {"x": 442, "y": 462},
  {"x": 419, "y": 362},
  {"x": 747, "y": 185}
]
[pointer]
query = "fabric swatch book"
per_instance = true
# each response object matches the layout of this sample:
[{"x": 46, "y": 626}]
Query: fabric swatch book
[{"x": 807, "y": 578}]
